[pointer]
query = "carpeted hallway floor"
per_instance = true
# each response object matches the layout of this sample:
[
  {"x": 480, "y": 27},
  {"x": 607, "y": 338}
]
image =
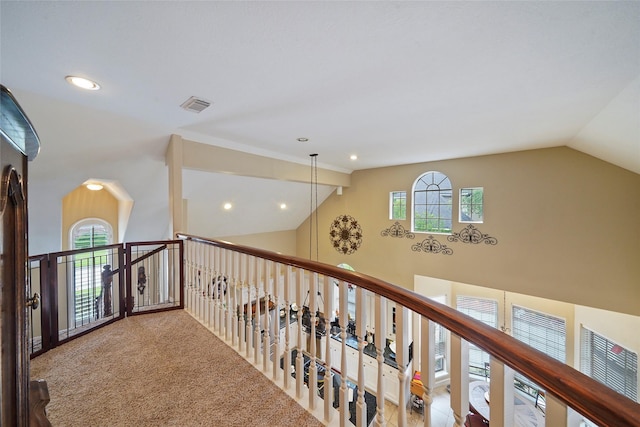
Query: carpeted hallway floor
[{"x": 162, "y": 369}]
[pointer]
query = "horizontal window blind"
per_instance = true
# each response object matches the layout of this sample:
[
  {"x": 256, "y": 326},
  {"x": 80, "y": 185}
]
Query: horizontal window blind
[
  {"x": 609, "y": 363},
  {"x": 486, "y": 311},
  {"x": 541, "y": 331}
]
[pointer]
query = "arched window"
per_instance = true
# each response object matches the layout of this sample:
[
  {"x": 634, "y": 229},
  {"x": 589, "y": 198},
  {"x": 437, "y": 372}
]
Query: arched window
[
  {"x": 432, "y": 203},
  {"x": 91, "y": 232},
  {"x": 85, "y": 284}
]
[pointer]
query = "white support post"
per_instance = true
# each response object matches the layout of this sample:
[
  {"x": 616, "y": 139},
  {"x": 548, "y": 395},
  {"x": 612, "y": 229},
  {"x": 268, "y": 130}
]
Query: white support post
[
  {"x": 501, "y": 390},
  {"x": 427, "y": 366},
  {"x": 459, "y": 379},
  {"x": 380, "y": 341}
]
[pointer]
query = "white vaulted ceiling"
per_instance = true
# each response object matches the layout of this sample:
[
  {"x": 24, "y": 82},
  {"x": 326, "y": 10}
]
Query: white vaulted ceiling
[{"x": 392, "y": 82}]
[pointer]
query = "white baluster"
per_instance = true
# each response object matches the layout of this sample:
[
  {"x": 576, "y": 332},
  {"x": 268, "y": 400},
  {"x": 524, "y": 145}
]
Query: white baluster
[
  {"x": 266, "y": 336},
  {"x": 427, "y": 366},
  {"x": 277, "y": 277},
  {"x": 501, "y": 390},
  {"x": 299, "y": 358},
  {"x": 344, "y": 393},
  {"x": 287, "y": 337},
  {"x": 555, "y": 411},
  {"x": 328, "y": 380},
  {"x": 242, "y": 307},
  {"x": 361, "y": 406},
  {"x": 257, "y": 339},
  {"x": 459, "y": 379},
  {"x": 313, "y": 368},
  {"x": 402, "y": 347},
  {"x": 249, "y": 316},
  {"x": 381, "y": 343}
]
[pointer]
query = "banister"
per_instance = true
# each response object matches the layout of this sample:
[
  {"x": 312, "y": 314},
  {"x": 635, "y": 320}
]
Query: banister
[{"x": 587, "y": 396}]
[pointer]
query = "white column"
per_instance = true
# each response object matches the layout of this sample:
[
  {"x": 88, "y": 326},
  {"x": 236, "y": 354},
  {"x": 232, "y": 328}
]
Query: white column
[{"x": 459, "y": 379}]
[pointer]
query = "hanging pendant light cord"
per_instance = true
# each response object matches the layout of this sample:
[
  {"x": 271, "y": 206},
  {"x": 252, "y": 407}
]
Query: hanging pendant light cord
[{"x": 314, "y": 192}]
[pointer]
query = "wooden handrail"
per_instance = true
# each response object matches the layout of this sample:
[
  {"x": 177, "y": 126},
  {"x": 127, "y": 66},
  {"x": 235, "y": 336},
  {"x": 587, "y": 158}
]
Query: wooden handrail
[{"x": 587, "y": 396}]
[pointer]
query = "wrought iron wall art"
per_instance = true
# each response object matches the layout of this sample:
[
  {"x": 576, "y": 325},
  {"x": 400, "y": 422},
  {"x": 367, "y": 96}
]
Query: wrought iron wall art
[
  {"x": 472, "y": 235},
  {"x": 431, "y": 245},
  {"x": 397, "y": 230},
  {"x": 345, "y": 234}
]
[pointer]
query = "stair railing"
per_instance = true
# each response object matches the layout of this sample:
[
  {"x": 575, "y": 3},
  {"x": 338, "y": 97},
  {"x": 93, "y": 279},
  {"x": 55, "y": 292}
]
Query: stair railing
[{"x": 239, "y": 292}]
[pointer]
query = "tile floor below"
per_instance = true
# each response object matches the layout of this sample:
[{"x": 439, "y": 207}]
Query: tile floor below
[{"x": 441, "y": 412}]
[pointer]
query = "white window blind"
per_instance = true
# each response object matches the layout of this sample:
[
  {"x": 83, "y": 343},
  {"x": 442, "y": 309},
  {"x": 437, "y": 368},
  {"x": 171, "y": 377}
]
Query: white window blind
[
  {"x": 486, "y": 311},
  {"x": 609, "y": 363},
  {"x": 541, "y": 331}
]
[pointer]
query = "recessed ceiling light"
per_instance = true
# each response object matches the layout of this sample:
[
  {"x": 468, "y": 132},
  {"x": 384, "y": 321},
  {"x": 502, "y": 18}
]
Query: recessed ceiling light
[
  {"x": 353, "y": 157},
  {"x": 95, "y": 186},
  {"x": 303, "y": 139},
  {"x": 227, "y": 206},
  {"x": 83, "y": 83},
  {"x": 283, "y": 206}
]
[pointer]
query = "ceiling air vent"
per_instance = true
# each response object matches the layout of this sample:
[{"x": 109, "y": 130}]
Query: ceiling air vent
[{"x": 195, "y": 105}]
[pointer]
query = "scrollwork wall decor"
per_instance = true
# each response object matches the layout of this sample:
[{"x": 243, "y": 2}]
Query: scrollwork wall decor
[
  {"x": 345, "y": 234},
  {"x": 472, "y": 235},
  {"x": 397, "y": 230},
  {"x": 431, "y": 245}
]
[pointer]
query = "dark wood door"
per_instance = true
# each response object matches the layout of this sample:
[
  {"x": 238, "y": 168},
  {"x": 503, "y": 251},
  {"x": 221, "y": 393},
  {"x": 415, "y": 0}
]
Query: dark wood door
[
  {"x": 18, "y": 144},
  {"x": 13, "y": 291}
]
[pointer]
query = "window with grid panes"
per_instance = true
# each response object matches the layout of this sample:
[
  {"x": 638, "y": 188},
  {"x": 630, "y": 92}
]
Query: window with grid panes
[
  {"x": 398, "y": 205},
  {"x": 432, "y": 203},
  {"x": 611, "y": 364},
  {"x": 486, "y": 311},
  {"x": 86, "y": 284},
  {"x": 440, "y": 340}
]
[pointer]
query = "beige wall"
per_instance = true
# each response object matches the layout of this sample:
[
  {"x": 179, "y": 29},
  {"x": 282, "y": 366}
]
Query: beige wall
[
  {"x": 277, "y": 241},
  {"x": 82, "y": 203},
  {"x": 566, "y": 223}
]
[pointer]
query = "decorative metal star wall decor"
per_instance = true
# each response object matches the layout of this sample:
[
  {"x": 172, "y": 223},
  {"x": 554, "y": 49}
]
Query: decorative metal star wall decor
[
  {"x": 345, "y": 234},
  {"x": 431, "y": 245},
  {"x": 397, "y": 230},
  {"x": 472, "y": 235}
]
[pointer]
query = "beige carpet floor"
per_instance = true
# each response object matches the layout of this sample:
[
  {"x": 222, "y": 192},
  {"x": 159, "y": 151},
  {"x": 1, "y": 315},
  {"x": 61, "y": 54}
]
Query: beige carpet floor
[{"x": 162, "y": 369}]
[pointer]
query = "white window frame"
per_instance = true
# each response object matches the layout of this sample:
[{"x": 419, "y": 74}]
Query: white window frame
[
  {"x": 392, "y": 198},
  {"x": 461, "y": 198},
  {"x": 91, "y": 274}
]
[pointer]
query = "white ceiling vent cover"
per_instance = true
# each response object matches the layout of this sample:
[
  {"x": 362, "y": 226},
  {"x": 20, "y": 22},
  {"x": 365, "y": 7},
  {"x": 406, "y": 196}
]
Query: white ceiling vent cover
[{"x": 195, "y": 105}]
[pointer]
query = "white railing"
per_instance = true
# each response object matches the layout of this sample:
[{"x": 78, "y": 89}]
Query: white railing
[{"x": 240, "y": 293}]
